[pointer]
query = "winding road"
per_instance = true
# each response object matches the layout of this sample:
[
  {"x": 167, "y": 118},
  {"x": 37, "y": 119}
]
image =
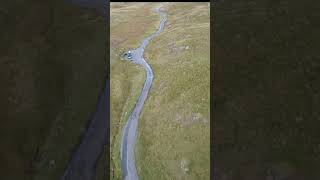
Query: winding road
[{"x": 129, "y": 170}]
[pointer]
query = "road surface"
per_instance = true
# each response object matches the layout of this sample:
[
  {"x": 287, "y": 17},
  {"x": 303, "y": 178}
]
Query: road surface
[{"x": 129, "y": 170}]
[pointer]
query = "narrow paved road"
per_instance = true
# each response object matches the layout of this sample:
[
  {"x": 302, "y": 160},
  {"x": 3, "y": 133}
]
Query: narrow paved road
[{"x": 129, "y": 170}]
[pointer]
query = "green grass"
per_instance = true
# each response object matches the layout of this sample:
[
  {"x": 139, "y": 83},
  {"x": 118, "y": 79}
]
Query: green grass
[
  {"x": 130, "y": 23},
  {"x": 174, "y": 127}
]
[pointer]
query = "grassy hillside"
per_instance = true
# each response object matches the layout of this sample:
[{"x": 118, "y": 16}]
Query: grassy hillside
[
  {"x": 266, "y": 78},
  {"x": 174, "y": 129},
  {"x": 129, "y": 24},
  {"x": 51, "y": 70}
]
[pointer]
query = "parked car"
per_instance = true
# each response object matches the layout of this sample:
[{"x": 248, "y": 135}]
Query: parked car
[{"x": 129, "y": 55}]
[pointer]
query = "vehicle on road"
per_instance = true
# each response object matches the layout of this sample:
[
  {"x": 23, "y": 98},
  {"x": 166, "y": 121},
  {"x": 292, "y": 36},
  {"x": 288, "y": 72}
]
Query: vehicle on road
[{"x": 129, "y": 55}]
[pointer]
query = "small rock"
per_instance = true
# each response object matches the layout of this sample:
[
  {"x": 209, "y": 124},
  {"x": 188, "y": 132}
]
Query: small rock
[
  {"x": 184, "y": 165},
  {"x": 52, "y": 163}
]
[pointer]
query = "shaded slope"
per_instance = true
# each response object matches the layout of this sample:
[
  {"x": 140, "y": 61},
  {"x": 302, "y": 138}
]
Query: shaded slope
[
  {"x": 266, "y": 74},
  {"x": 52, "y": 70}
]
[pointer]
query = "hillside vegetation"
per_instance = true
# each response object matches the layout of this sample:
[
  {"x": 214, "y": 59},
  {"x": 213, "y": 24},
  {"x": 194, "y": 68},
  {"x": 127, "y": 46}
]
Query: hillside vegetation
[
  {"x": 129, "y": 24},
  {"x": 174, "y": 130}
]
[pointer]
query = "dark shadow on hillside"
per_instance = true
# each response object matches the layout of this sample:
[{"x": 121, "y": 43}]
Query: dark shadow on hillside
[
  {"x": 266, "y": 75},
  {"x": 52, "y": 68}
]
